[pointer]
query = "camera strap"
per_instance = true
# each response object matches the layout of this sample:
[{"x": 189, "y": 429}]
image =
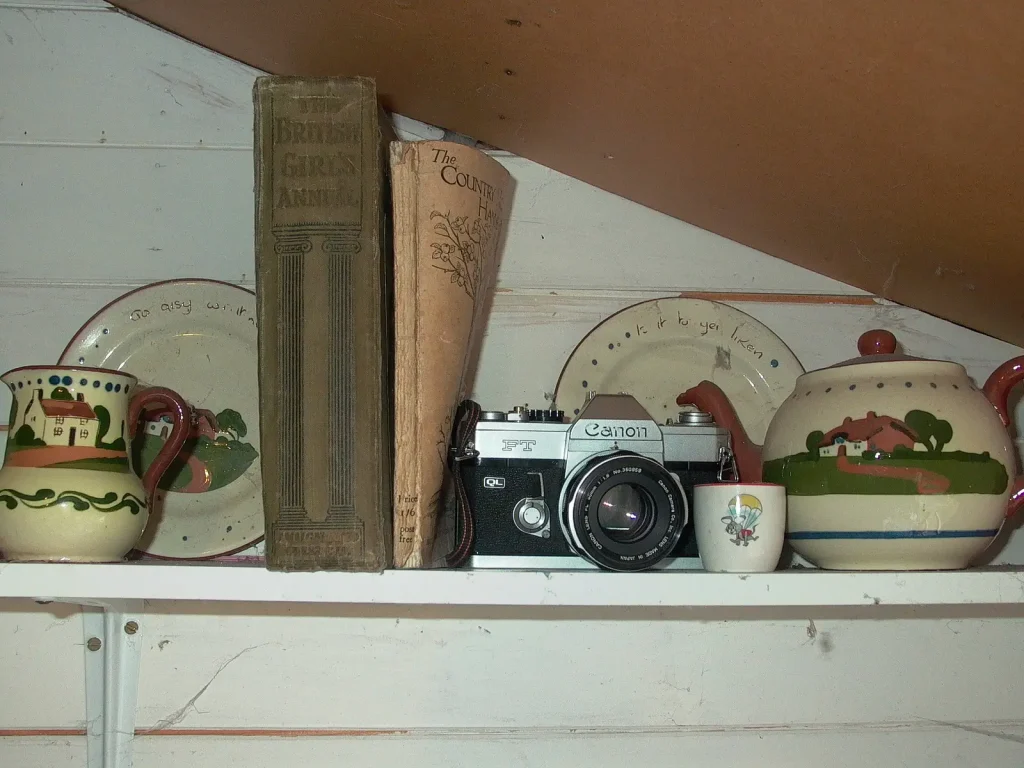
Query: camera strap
[{"x": 463, "y": 449}]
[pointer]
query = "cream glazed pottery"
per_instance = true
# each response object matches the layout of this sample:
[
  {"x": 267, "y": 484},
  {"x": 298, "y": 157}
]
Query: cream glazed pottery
[
  {"x": 655, "y": 349},
  {"x": 68, "y": 491},
  {"x": 199, "y": 338},
  {"x": 890, "y": 462}
]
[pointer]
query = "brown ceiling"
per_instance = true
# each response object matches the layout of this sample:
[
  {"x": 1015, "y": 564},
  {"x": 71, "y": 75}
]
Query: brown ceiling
[{"x": 877, "y": 141}]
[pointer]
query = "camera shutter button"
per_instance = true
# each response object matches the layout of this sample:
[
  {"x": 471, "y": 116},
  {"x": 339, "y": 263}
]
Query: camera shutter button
[{"x": 532, "y": 516}]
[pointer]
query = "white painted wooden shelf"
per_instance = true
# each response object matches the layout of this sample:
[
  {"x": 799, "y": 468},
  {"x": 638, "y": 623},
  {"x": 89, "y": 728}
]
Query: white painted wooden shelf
[{"x": 102, "y": 584}]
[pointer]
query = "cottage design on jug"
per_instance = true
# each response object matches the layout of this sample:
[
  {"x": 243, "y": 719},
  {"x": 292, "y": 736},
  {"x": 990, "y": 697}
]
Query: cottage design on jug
[
  {"x": 65, "y": 421},
  {"x": 61, "y": 422}
]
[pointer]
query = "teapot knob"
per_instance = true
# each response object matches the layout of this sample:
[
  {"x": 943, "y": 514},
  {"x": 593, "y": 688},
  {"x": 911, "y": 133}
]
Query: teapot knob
[{"x": 877, "y": 342}]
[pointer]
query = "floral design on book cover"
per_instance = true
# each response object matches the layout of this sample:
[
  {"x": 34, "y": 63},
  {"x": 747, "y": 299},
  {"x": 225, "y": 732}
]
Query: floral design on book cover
[{"x": 459, "y": 252}]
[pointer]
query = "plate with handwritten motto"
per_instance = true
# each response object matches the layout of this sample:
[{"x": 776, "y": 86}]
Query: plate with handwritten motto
[
  {"x": 657, "y": 349},
  {"x": 197, "y": 337}
]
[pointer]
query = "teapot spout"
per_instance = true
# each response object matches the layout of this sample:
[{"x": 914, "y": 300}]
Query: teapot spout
[{"x": 711, "y": 399}]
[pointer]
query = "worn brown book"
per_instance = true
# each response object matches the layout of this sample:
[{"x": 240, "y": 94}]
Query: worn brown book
[
  {"x": 323, "y": 274},
  {"x": 451, "y": 209}
]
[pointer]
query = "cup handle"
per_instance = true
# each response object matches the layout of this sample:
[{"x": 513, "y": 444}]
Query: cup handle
[{"x": 172, "y": 403}]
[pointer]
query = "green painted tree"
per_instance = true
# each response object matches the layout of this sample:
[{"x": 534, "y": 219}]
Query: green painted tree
[
  {"x": 26, "y": 437},
  {"x": 232, "y": 422},
  {"x": 942, "y": 434},
  {"x": 932, "y": 433},
  {"x": 61, "y": 393},
  {"x": 103, "y": 415},
  {"x": 814, "y": 443}
]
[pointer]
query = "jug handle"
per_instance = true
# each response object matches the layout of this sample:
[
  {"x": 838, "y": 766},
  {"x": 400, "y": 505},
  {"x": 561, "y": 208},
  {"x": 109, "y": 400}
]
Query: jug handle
[
  {"x": 181, "y": 417},
  {"x": 997, "y": 390}
]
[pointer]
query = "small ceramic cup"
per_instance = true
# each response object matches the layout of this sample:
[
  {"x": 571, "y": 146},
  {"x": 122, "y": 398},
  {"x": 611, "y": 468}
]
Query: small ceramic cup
[{"x": 740, "y": 527}]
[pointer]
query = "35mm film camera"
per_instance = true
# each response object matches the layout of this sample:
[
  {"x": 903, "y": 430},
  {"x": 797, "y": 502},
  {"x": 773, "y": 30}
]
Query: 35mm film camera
[{"x": 611, "y": 489}]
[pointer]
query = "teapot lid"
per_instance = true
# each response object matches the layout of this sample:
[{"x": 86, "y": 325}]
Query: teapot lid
[{"x": 878, "y": 346}]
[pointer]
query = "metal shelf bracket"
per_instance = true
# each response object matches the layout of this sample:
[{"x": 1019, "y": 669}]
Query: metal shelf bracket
[{"x": 113, "y": 653}]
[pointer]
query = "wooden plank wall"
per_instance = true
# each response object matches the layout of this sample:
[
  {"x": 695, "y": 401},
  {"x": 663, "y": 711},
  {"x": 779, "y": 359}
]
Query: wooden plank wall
[{"x": 125, "y": 157}]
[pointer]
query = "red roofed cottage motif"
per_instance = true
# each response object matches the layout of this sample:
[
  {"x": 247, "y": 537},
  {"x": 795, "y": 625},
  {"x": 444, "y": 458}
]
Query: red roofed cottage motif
[
  {"x": 61, "y": 422},
  {"x": 75, "y": 409},
  {"x": 876, "y": 433}
]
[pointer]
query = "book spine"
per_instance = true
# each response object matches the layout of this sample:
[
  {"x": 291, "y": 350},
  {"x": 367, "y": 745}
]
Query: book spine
[
  {"x": 321, "y": 301},
  {"x": 408, "y": 521}
]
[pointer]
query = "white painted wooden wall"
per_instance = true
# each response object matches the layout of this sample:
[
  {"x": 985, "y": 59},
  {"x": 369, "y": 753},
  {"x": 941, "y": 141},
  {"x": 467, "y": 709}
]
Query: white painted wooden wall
[{"x": 125, "y": 157}]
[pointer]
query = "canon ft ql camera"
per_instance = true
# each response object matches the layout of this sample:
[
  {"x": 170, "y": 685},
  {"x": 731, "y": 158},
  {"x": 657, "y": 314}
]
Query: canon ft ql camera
[{"x": 613, "y": 488}]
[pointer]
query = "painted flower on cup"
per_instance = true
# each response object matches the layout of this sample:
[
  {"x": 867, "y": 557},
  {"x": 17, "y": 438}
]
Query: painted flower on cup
[{"x": 741, "y": 522}]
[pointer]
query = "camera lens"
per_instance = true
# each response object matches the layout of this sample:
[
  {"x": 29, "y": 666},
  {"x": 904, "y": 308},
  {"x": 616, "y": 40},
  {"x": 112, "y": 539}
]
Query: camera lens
[
  {"x": 625, "y": 513},
  {"x": 622, "y": 511}
]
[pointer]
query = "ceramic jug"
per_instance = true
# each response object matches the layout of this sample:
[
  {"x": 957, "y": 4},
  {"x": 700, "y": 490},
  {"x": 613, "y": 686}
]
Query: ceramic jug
[
  {"x": 890, "y": 462},
  {"x": 68, "y": 489}
]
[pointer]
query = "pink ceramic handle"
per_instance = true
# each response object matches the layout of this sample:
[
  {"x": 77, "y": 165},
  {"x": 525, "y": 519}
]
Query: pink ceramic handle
[
  {"x": 997, "y": 390},
  {"x": 181, "y": 416},
  {"x": 1003, "y": 379}
]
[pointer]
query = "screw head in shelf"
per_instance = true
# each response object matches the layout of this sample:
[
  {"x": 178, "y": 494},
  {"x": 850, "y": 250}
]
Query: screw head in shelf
[
  {"x": 131, "y": 627},
  {"x": 94, "y": 644}
]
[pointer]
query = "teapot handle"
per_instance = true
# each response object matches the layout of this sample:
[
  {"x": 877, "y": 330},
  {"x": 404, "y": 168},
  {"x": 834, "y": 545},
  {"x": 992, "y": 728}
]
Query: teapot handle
[
  {"x": 181, "y": 417},
  {"x": 997, "y": 390}
]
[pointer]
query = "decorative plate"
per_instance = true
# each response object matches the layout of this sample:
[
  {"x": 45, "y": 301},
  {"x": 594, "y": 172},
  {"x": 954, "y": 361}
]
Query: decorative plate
[
  {"x": 658, "y": 349},
  {"x": 197, "y": 337}
]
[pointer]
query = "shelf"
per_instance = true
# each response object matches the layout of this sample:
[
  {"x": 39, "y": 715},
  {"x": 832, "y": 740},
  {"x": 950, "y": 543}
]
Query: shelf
[{"x": 81, "y": 583}]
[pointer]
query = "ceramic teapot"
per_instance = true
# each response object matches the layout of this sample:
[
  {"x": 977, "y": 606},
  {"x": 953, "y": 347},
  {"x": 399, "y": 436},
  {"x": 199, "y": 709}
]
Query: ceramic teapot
[
  {"x": 890, "y": 462},
  {"x": 68, "y": 490}
]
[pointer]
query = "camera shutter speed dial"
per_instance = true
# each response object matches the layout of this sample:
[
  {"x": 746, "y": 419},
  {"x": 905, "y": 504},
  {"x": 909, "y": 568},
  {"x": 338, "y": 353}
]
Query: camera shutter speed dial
[{"x": 531, "y": 516}]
